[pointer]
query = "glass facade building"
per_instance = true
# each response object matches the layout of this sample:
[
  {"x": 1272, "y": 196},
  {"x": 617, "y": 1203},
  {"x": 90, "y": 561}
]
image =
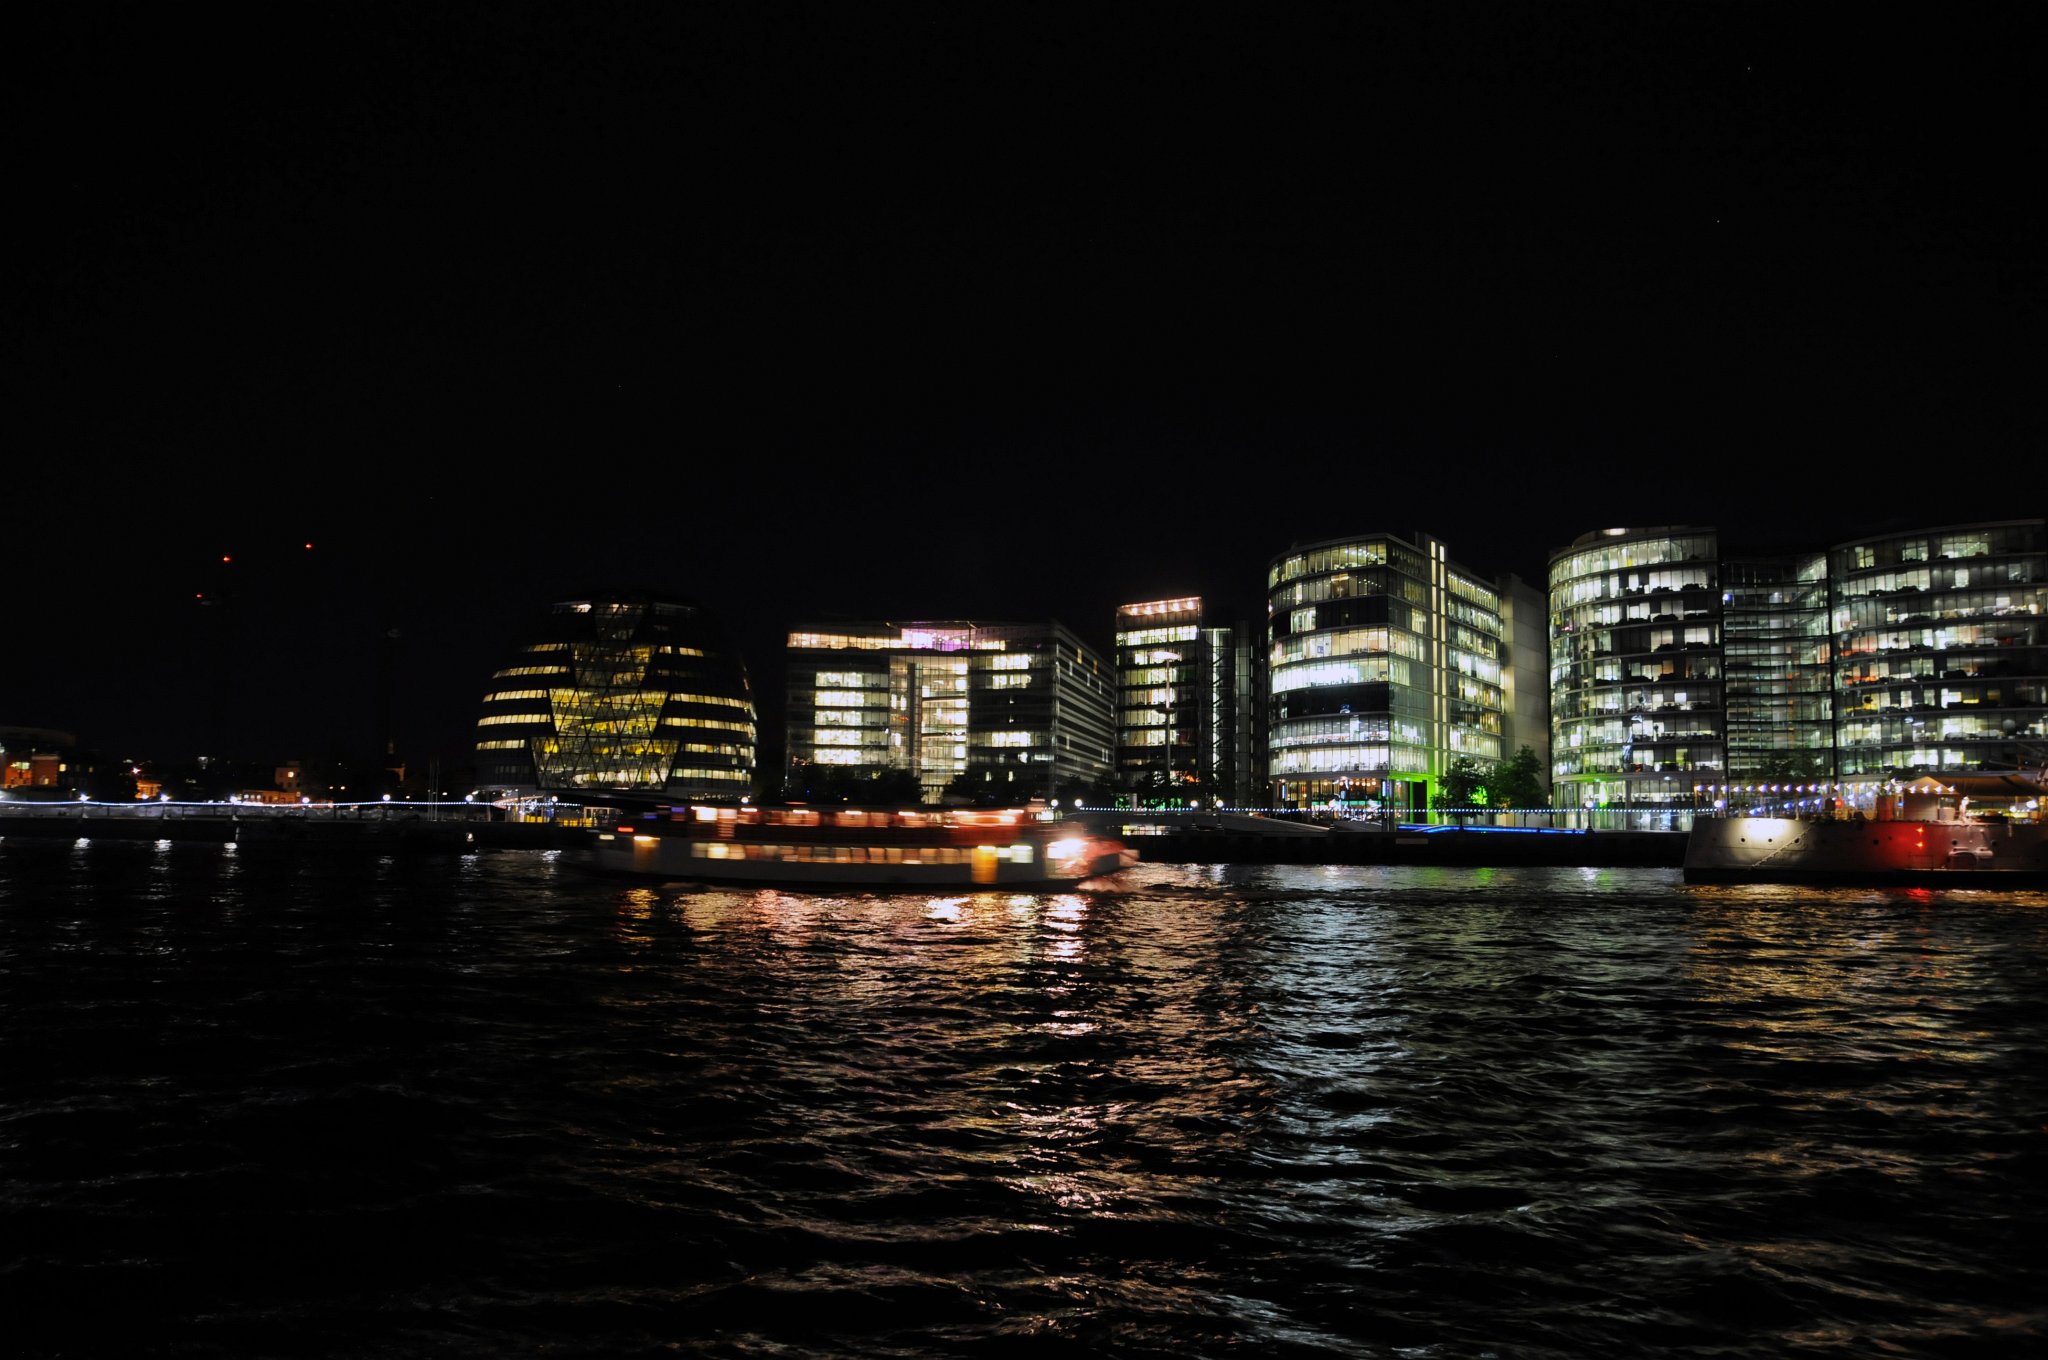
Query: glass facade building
[
  {"x": 1187, "y": 706},
  {"x": 1940, "y": 658},
  {"x": 1636, "y": 712},
  {"x": 1386, "y": 662},
  {"x": 1025, "y": 709},
  {"x": 1777, "y": 669},
  {"x": 619, "y": 692},
  {"x": 1677, "y": 666}
]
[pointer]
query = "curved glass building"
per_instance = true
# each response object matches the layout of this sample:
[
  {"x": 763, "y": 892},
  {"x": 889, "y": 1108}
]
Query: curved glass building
[
  {"x": 1681, "y": 670},
  {"x": 1636, "y": 715},
  {"x": 619, "y": 692},
  {"x": 1387, "y": 661}
]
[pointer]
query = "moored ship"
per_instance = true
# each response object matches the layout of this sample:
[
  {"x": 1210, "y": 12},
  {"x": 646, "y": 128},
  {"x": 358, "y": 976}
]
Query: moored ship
[
  {"x": 852, "y": 847},
  {"x": 1978, "y": 829}
]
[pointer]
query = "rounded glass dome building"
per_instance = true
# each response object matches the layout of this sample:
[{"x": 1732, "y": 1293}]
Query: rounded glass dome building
[{"x": 621, "y": 692}]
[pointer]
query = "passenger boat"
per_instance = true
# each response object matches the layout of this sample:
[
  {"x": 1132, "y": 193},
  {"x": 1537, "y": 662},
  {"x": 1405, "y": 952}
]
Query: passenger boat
[
  {"x": 850, "y": 847},
  {"x": 1964, "y": 829}
]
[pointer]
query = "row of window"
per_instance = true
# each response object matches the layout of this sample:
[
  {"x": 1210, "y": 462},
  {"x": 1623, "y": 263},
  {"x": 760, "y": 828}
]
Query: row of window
[
  {"x": 713, "y": 724},
  {"x": 609, "y": 721},
  {"x": 908, "y": 640},
  {"x": 1949, "y": 723},
  {"x": 1957, "y": 637},
  {"x": 1153, "y": 637},
  {"x": 1463, "y": 588},
  {"x": 1925, "y": 580},
  {"x": 1334, "y": 760},
  {"x": 1576, "y": 592},
  {"x": 849, "y": 698},
  {"x": 1370, "y": 669},
  {"x": 1988, "y": 541},
  {"x": 1401, "y": 729},
  {"x": 1340, "y": 557},
  {"x": 1471, "y": 640},
  {"x": 1348, "y": 642}
]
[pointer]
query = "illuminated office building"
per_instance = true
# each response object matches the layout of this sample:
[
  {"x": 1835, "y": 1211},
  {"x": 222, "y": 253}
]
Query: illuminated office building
[
  {"x": 619, "y": 692},
  {"x": 1777, "y": 671},
  {"x": 1941, "y": 662},
  {"x": 1635, "y": 667},
  {"x": 1387, "y": 662},
  {"x": 1023, "y": 709},
  {"x": 1187, "y": 706},
  {"x": 1677, "y": 663}
]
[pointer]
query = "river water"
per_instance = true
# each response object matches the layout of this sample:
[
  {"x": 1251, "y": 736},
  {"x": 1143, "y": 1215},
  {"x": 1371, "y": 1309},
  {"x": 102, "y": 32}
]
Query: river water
[{"x": 275, "y": 1104}]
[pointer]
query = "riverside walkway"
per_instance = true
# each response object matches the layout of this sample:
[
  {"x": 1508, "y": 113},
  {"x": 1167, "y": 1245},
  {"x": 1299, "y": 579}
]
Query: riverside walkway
[{"x": 373, "y": 826}]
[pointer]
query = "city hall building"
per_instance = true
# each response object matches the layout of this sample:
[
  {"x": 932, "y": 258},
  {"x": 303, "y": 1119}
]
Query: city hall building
[{"x": 619, "y": 692}]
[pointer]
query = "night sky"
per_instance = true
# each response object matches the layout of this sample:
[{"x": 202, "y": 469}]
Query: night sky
[{"x": 944, "y": 311}]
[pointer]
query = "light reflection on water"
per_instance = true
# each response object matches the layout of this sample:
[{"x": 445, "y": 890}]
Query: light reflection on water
[{"x": 493, "y": 1105}]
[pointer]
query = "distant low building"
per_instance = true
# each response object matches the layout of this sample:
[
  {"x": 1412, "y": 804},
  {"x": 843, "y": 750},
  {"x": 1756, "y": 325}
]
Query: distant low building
[{"x": 36, "y": 758}]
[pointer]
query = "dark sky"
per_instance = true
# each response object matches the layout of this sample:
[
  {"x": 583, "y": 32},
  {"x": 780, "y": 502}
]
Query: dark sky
[{"x": 928, "y": 311}]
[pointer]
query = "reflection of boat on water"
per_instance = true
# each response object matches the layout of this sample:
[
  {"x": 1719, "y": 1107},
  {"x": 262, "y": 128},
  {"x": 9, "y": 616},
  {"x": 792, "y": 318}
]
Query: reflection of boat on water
[
  {"x": 848, "y": 847},
  {"x": 1953, "y": 829}
]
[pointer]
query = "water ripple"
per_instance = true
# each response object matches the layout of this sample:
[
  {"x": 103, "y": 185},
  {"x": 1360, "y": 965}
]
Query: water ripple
[{"x": 490, "y": 1105}]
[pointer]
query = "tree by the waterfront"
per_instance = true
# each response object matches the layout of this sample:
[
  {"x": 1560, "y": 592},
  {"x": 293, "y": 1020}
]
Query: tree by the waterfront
[
  {"x": 1518, "y": 782},
  {"x": 1462, "y": 788}
]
